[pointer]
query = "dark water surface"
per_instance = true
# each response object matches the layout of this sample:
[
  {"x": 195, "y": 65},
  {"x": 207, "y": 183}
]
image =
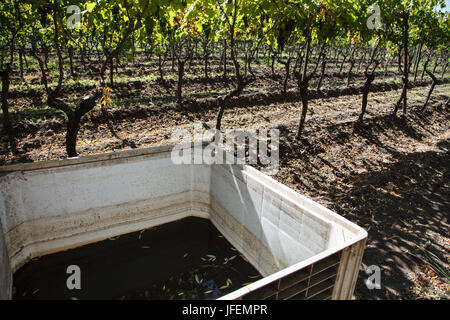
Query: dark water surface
[{"x": 186, "y": 259}]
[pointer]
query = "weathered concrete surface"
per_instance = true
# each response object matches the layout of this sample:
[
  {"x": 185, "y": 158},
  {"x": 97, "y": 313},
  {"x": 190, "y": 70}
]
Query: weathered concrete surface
[{"x": 5, "y": 269}]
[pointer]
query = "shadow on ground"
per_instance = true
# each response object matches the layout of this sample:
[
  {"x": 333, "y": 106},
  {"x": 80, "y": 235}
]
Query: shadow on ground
[
  {"x": 403, "y": 207},
  {"x": 401, "y": 197}
]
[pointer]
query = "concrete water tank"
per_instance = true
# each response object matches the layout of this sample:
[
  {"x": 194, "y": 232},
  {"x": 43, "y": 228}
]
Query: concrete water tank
[{"x": 302, "y": 249}]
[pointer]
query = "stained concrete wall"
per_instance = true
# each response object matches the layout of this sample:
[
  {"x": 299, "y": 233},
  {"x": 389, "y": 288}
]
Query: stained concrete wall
[
  {"x": 272, "y": 229},
  {"x": 5, "y": 269},
  {"x": 49, "y": 209}
]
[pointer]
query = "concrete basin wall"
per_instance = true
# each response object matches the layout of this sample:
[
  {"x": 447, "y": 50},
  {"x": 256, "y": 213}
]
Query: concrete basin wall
[
  {"x": 285, "y": 236},
  {"x": 5, "y": 269},
  {"x": 271, "y": 230},
  {"x": 56, "y": 205},
  {"x": 51, "y": 207}
]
